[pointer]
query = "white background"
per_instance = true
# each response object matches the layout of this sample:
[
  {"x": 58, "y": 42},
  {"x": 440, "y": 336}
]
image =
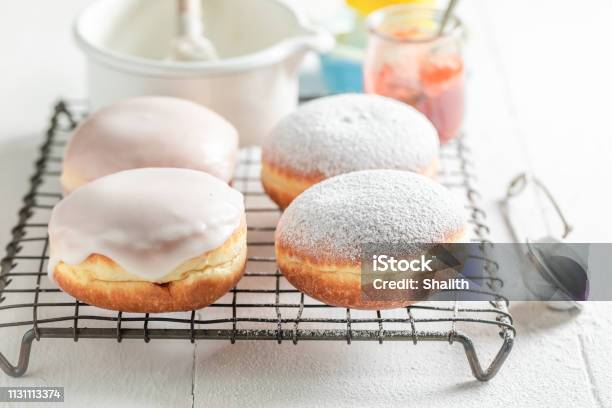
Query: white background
[{"x": 539, "y": 99}]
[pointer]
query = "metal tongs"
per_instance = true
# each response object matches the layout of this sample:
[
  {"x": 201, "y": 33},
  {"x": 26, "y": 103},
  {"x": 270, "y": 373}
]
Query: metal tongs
[{"x": 561, "y": 272}]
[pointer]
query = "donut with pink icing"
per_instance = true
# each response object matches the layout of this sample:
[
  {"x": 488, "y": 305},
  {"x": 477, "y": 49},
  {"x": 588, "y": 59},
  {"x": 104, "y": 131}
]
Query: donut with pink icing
[
  {"x": 149, "y": 240},
  {"x": 150, "y": 131}
]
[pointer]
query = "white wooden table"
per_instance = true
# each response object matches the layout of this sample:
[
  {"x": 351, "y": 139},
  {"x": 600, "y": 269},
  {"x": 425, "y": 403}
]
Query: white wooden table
[{"x": 538, "y": 100}]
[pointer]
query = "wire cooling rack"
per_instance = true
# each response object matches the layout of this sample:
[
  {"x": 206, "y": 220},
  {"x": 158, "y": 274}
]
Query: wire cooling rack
[{"x": 263, "y": 305}]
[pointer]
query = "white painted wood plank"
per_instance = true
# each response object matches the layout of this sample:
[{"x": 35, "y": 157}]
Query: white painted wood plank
[
  {"x": 551, "y": 58},
  {"x": 103, "y": 373},
  {"x": 557, "y": 66},
  {"x": 392, "y": 375}
]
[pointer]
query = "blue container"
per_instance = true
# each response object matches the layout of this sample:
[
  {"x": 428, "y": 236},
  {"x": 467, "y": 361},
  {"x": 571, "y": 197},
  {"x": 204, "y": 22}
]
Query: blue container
[{"x": 342, "y": 70}]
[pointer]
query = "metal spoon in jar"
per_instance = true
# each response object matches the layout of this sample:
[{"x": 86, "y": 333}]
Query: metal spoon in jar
[{"x": 447, "y": 14}]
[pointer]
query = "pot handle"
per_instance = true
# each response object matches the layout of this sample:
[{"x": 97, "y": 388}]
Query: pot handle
[{"x": 315, "y": 39}]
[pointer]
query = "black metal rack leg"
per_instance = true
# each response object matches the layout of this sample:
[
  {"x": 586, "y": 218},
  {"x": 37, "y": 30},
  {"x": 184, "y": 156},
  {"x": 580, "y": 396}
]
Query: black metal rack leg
[
  {"x": 496, "y": 364},
  {"x": 24, "y": 356}
]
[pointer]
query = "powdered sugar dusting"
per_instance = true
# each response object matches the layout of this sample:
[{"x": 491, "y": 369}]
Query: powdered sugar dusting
[
  {"x": 350, "y": 132},
  {"x": 337, "y": 216}
]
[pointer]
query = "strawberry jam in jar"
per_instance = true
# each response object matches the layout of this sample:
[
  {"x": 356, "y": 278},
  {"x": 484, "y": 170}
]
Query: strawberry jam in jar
[{"x": 407, "y": 60}]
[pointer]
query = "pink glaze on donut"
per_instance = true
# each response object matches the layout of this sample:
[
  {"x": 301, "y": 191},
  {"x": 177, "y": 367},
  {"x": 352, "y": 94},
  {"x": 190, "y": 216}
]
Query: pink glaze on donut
[
  {"x": 150, "y": 132},
  {"x": 149, "y": 221}
]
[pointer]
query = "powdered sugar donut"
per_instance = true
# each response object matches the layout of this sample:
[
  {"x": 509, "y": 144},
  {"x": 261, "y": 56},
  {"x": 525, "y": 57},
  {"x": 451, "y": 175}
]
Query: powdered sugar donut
[
  {"x": 319, "y": 237},
  {"x": 343, "y": 133},
  {"x": 150, "y": 131}
]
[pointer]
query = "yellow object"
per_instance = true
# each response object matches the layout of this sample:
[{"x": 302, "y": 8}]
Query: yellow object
[{"x": 365, "y": 7}]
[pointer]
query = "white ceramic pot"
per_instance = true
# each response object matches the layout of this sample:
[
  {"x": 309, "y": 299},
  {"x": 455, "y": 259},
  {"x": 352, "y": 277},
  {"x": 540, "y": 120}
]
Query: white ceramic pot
[{"x": 253, "y": 85}]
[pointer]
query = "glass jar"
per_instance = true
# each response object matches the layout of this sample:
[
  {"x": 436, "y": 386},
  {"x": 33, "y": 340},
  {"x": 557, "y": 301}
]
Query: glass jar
[{"x": 408, "y": 61}]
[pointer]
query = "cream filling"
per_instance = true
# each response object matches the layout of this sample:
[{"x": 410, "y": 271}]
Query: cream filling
[{"x": 217, "y": 262}]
